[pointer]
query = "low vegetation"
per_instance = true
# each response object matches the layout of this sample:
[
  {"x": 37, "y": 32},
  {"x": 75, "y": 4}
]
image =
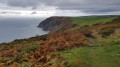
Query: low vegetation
[
  {"x": 82, "y": 21},
  {"x": 92, "y": 56},
  {"x": 89, "y": 42}
]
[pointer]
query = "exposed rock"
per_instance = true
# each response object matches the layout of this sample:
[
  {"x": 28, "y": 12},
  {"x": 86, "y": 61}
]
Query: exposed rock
[{"x": 50, "y": 23}]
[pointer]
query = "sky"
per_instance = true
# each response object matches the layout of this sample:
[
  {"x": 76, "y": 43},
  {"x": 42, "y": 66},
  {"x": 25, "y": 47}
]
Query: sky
[{"x": 46, "y": 8}]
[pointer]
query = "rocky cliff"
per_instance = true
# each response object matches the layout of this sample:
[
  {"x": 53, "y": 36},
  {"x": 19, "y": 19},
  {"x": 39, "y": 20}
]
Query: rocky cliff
[{"x": 53, "y": 22}]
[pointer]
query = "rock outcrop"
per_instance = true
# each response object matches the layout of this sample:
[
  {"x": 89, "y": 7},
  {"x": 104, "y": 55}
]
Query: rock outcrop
[{"x": 51, "y": 23}]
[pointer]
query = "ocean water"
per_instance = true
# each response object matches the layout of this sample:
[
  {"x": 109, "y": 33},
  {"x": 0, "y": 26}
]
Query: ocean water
[{"x": 12, "y": 28}]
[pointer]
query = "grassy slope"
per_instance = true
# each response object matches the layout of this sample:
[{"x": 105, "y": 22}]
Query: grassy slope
[
  {"x": 40, "y": 51},
  {"x": 82, "y": 21},
  {"x": 98, "y": 56},
  {"x": 93, "y": 56}
]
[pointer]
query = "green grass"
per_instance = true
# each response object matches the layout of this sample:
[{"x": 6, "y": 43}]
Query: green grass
[
  {"x": 93, "y": 56},
  {"x": 111, "y": 40},
  {"x": 82, "y": 21}
]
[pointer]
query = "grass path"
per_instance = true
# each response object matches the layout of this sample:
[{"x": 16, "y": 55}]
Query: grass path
[{"x": 93, "y": 56}]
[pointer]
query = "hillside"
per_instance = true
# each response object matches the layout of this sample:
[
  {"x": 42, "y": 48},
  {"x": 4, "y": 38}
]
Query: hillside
[
  {"x": 54, "y": 23},
  {"x": 59, "y": 23},
  {"x": 90, "y": 41}
]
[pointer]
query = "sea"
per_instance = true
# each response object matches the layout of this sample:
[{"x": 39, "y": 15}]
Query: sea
[{"x": 12, "y": 28}]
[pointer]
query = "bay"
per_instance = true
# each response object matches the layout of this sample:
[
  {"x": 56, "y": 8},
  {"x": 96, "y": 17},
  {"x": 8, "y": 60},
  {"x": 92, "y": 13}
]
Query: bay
[{"x": 12, "y": 28}]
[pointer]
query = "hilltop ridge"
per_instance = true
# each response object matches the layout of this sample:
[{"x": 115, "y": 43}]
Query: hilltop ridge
[{"x": 58, "y": 23}]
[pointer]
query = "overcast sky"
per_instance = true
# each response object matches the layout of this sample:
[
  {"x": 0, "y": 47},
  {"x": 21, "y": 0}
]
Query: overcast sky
[{"x": 45, "y": 8}]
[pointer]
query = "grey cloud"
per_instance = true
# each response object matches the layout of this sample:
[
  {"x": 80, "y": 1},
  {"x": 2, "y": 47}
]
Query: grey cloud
[
  {"x": 22, "y": 3},
  {"x": 33, "y": 8},
  {"x": 33, "y": 13},
  {"x": 91, "y": 6},
  {"x": 88, "y": 6},
  {"x": 10, "y": 12},
  {"x": 3, "y": 12}
]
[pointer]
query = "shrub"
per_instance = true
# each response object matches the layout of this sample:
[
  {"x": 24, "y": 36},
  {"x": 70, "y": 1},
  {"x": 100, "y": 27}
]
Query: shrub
[
  {"x": 86, "y": 31},
  {"x": 106, "y": 31},
  {"x": 100, "y": 23},
  {"x": 25, "y": 64},
  {"x": 30, "y": 48},
  {"x": 25, "y": 50}
]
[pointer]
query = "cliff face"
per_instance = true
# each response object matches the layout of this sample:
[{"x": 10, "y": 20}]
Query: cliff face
[{"x": 53, "y": 22}]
